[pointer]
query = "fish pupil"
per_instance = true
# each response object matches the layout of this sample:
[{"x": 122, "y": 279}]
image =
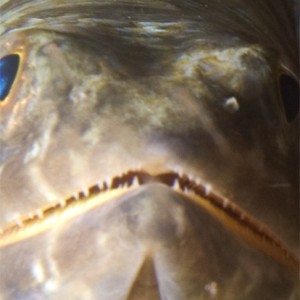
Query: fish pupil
[
  {"x": 289, "y": 89},
  {"x": 8, "y": 70}
]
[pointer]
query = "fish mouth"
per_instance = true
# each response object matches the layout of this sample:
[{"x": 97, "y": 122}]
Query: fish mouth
[{"x": 233, "y": 217}]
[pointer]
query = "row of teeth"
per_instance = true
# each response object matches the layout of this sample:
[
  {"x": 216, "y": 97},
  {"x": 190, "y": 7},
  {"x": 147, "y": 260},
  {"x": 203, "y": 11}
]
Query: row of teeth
[
  {"x": 132, "y": 179},
  {"x": 183, "y": 183},
  {"x": 137, "y": 178}
]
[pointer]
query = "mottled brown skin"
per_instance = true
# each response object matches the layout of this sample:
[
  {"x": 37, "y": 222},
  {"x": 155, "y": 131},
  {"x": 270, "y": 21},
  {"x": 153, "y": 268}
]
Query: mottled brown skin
[{"x": 106, "y": 87}]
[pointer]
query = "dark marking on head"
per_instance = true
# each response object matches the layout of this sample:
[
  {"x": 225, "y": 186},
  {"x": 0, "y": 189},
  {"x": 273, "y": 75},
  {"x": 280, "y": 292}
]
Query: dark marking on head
[{"x": 289, "y": 90}]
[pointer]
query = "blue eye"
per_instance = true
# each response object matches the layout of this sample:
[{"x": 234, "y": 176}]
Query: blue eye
[{"x": 8, "y": 70}]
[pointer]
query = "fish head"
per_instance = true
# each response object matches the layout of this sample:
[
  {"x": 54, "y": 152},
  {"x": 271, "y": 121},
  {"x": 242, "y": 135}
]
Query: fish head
[{"x": 164, "y": 97}]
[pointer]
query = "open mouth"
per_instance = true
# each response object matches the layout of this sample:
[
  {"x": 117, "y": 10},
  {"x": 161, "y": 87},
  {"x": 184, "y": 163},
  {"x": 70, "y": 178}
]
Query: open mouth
[{"x": 224, "y": 210}]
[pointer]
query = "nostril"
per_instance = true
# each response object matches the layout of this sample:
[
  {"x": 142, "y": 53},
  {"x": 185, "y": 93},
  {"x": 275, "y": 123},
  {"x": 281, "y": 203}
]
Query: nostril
[{"x": 289, "y": 89}]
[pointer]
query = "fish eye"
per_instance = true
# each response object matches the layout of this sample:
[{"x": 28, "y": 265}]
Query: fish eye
[
  {"x": 289, "y": 89},
  {"x": 9, "y": 66}
]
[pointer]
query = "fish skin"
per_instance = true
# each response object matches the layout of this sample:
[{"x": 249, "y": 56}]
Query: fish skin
[{"x": 157, "y": 83}]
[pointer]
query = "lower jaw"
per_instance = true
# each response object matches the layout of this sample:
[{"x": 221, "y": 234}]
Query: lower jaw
[
  {"x": 146, "y": 237},
  {"x": 225, "y": 211}
]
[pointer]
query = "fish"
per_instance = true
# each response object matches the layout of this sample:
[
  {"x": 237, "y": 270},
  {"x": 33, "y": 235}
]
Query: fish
[{"x": 149, "y": 149}]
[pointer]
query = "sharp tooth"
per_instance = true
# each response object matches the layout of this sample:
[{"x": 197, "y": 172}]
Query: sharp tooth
[
  {"x": 198, "y": 182},
  {"x": 62, "y": 202},
  {"x": 207, "y": 189},
  {"x": 135, "y": 182},
  {"x": 107, "y": 183},
  {"x": 186, "y": 189},
  {"x": 83, "y": 194},
  {"x": 19, "y": 222},
  {"x": 176, "y": 185},
  {"x": 40, "y": 214},
  {"x": 98, "y": 186},
  {"x": 191, "y": 178},
  {"x": 225, "y": 203}
]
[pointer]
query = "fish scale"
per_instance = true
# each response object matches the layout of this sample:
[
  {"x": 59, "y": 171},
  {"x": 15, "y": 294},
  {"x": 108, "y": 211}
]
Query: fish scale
[{"x": 149, "y": 150}]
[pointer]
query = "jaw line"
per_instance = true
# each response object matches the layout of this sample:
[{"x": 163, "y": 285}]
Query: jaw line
[{"x": 202, "y": 194}]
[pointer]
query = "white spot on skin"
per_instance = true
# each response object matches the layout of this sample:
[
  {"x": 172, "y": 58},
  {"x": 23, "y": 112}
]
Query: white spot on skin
[
  {"x": 180, "y": 218},
  {"x": 212, "y": 289},
  {"x": 232, "y": 104},
  {"x": 33, "y": 153},
  {"x": 38, "y": 271},
  {"x": 51, "y": 285},
  {"x": 39, "y": 180},
  {"x": 151, "y": 27}
]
